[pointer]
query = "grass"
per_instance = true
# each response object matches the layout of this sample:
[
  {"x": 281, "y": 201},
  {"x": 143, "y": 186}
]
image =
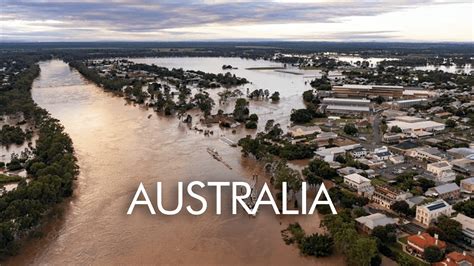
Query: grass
[
  {"x": 9, "y": 179},
  {"x": 403, "y": 240},
  {"x": 378, "y": 181},
  {"x": 406, "y": 258}
]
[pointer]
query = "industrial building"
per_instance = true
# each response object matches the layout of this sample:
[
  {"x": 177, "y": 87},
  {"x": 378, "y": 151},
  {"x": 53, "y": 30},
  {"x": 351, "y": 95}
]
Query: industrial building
[
  {"x": 410, "y": 124},
  {"x": 347, "y": 106},
  {"x": 367, "y": 91}
]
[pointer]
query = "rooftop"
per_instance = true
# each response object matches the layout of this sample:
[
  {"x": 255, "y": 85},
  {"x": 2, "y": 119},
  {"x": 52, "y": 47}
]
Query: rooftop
[
  {"x": 425, "y": 240},
  {"x": 376, "y": 219},
  {"x": 443, "y": 189},
  {"x": 455, "y": 259},
  {"x": 356, "y": 178},
  {"x": 368, "y": 87},
  {"x": 462, "y": 151},
  {"x": 346, "y": 100},
  {"x": 469, "y": 180},
  {"x": 436, "y": 205},
  {"x": 348, "y": 107},
  {"x": 467, "y": 222},
  {"x": 406, "y": 145},
  {"x": 441, "y": 164}
]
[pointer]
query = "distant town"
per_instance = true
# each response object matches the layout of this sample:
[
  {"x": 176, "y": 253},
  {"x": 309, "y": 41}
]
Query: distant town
[{"x": 388, "y": 131}]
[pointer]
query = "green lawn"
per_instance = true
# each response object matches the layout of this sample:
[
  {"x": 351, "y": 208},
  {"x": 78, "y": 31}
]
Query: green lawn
[{"x": 404, "y": 257}]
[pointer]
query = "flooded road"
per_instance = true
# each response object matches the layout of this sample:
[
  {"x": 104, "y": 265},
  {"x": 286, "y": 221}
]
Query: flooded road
[{"x": 118, "y": 147}]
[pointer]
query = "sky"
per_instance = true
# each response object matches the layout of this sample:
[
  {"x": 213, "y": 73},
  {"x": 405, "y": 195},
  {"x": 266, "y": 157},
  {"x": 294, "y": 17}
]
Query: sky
[{"x": 208, "y": 20}]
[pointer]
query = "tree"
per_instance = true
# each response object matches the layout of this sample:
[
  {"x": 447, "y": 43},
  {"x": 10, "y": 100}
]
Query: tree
[
  {"x": 350, "y": 129},
  {"x": 451, "y": 228},
  {"x": 275, "y": 96},
  {"x": 396, "y": 129},
  {"x": 269, "y": 125},
  {"x": 386, "y": 234},
  {"x": 432, "y": 254},
  {"x": 320, "y": 168},
  {"x": 362, "y": 251},
  {"x": 241, "y": 110},
  {"x": 316, "y": 245},
  {"x": 308, "y": 96},
  {"x": 401, "y": 207},
  {"x": 293, "y": 234},
  {"x": 358, "y": 212},
  {"x": 465, "y": 207},
  {"x": 204, "y": 102},
  {"x": 322, "y": 83},
  {"x": 301, "y": 116},
  {"x": 458, "y": 179},
  {"x": 379, "y": 99},
  {"x": 251, "y": 124},
  {"x": 450, "y": 123},
  {"x": 383, "y": 127},
  {"x": 253, "y": 117}
]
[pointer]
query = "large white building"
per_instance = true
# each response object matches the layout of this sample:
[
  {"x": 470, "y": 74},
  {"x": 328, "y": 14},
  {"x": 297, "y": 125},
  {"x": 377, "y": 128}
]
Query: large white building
[
  {"x": 429, "y": 154},
  {"x": 467, "y": 224},
  {"x": 442, "y": 171},
  {"x": 411, "y": 124},
  {"x": 359, "y": 183},
  {"x": 428, "y": 213},
  {"x": 369, "y": 222},
  {"x": 328, "y": 154},
  {"x": 346, "y": 106}
]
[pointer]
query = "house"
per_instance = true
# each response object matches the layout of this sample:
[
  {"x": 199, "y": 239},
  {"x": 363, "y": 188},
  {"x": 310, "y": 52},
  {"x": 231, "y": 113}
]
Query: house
[
  {"x": 467, "y": 224},
  {"x": 386, "y": 196},
  {"x": 460, "y": 153},
  {"x": 381, "y": 154},
  {"x": 391, "y": 138},
  {"x": 467, "y": 185},
  {"x": 397, "y": 159},
  {"x": 359, "y": 152},
  {"x": 439, "y": 167},
  {"x": 404, "y": 148},
  {"x": 442, "y": 171},
  {"x": 447, "y": 191},
  {"x": 456, "y": 259},
  {"x": 359, "y": 183},
  {"x": 369, "y": 222},
  {"x": 430, "y": 212},
  {"x": 417, "y": 243},
  {"x": 427, "y": 154},
  {"x": 464, "y": 165}
]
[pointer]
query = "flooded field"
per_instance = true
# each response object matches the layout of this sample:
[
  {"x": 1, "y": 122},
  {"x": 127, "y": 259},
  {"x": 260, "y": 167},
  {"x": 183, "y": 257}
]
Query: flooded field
[{"x": 118, "y": 146}]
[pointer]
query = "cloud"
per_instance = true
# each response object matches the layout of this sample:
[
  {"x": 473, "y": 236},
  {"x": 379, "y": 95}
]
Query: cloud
[{"x": 146, "y": 19}]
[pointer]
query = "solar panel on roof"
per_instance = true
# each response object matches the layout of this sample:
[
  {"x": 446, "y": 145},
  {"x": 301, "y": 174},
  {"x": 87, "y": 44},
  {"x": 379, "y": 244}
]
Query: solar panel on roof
[{"x": 436, "y": 206}]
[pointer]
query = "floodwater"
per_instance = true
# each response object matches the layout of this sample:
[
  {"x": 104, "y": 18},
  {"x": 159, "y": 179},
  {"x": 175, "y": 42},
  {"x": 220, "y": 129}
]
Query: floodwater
[{"x": 118, "y": 147}]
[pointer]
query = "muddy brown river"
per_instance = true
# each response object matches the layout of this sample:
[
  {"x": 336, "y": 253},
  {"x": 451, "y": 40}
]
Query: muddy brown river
[{"x": 118, "y": 147}]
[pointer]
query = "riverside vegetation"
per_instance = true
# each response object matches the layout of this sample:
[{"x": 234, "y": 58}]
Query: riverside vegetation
[{"x": 51, "y": 168}]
